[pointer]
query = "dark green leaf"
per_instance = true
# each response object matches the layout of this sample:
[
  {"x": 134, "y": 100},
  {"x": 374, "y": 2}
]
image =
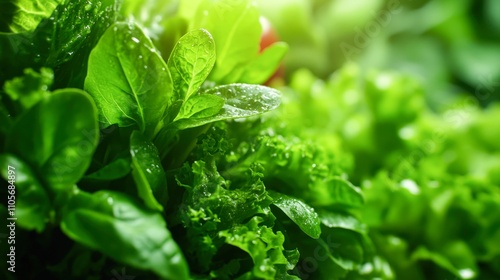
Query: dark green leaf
[
  {"x": 32, "y": 204},
  {"x": 344, "y": 248},
  {"x": 114, "y": 170},
  {"x": 5, "y": 120},
  {"x": 190, "y": 63},
  {"x": 62, "y": 41},
  {"x": 117, "y": 226},
  {"x": 133, "y": 86},
  {"x": 25, "y": 15},
  {"x": 57, "y": 137},
  {"x": 147, "y": 171},
  {"x": 300, "y": 213}
]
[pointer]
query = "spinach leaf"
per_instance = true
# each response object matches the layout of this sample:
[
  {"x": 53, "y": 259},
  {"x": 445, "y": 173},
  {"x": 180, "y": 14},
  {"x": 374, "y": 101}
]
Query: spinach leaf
[
  {"x": 62, "y": 41},
  {"x": 240, "y": 100},
  {"x": 190, "y": 62},
  {"x": 117, "y": 226},
  {"x": 300, "y": 213},
  {"x": 32, "y": 204},
  {"x": 57, "y": 137},
  {"x": 134, "y": 86},
  {"x": 147, "y": 171}
]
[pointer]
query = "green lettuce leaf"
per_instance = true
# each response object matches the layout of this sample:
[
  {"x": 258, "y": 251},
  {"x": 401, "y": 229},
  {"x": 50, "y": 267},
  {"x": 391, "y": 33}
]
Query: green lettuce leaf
[
  {"x": 134, "y": 87},
  {"x": 116, "y": 225},
  {"x": 299, "y": 212},
  {"x": 65, "y": 139},
  {"x": 240, "y": 100},
  {"x": 190, "y": 63},
  {"x": 32, "y": 203},
  {"x": 24, "y": 15}
]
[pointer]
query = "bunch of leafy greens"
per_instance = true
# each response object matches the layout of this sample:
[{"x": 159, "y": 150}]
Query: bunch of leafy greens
[
  {"x": 430, "y": 180},
  {"x": 136, "y": 132}
]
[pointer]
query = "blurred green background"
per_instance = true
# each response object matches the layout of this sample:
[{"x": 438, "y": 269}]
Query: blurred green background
[{"x": 452, "y": 47}]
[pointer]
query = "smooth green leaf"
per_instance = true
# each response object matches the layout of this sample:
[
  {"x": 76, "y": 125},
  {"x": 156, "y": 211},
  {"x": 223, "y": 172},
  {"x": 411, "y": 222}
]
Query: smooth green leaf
[
  {"x": 263, "y": 67},
  {"x": 117, "y": 226},
  {"x": 190, "y": 62},
  {"x": 32, "y": 205},
  {"x": 116, "y": 169},
  {"x": 31, "y": 87},
  {"x": 338, "y": 220},
  {"x": 133, "y": 86},
  {"x": 240, "y": 100},
  {"x": 147, "y": 171},
  {"x": 237, "y": 40},
  {"x": 300, "y": 213},
  {"x": 340, "y": 192},
  {"x": 200, "y": 106},
  {"x": 25, "y": 15},
  {"x": 57, "y": 137}
]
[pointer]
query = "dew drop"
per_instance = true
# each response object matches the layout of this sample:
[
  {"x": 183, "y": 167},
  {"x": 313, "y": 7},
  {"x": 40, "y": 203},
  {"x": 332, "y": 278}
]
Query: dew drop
[{"x": 466, "y": 273}]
